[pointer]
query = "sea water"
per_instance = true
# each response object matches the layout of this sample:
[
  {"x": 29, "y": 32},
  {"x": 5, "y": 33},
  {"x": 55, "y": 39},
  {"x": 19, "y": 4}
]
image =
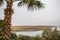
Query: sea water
[{"x": 29, "y": 33}]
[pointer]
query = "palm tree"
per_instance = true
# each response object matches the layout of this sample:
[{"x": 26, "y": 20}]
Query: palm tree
[{"x": 9, "y": 11}]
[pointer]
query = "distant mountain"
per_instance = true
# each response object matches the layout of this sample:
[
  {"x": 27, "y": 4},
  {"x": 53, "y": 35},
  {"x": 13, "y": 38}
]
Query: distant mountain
[{"x": 30, "y": 28}]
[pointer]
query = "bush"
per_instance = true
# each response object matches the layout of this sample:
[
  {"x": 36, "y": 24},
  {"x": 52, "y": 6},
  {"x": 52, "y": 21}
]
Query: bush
[
  {"x": 50, "y": 34},
  {"x": 1, "y": 24},
  {"x": 14, "y": 36},
  {"x": 37, "y": 37},
  {"x": 22, "y": 37}
]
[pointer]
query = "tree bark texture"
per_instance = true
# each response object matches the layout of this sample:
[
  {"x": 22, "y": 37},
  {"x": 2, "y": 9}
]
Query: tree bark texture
[{"x": 7, "y": 19}]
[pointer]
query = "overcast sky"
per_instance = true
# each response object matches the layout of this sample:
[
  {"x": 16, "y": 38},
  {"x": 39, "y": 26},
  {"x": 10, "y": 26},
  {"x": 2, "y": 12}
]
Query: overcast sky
[{"x": 50, "y": 15}]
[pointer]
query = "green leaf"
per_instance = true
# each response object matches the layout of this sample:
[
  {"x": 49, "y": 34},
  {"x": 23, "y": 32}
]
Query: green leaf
[
  {"x": 1, "y": 24},
  {"x": 1, "y": 2},
  {"x": 31, "y": 4}
]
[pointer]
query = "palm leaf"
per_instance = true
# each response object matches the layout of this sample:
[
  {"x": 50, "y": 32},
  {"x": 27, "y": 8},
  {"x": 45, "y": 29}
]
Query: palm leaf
[
  {"x": 31, "y": 4},
  {"x": 1, "y": 2},
  {"x": 20, "y": 3}
]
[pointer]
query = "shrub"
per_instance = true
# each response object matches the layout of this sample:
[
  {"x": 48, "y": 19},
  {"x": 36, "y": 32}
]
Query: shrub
[
  {"x": 50, "y": 34},
  {"x": 14, "y": 36},
  {"x": 22, "y": 37},
  {"x": 1, "y": 24},
  {"x": 37, "y": 37}
]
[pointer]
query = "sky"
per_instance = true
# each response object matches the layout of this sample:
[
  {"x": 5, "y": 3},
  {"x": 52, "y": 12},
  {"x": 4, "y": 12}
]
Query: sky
[{"x": 50, "y": 15}]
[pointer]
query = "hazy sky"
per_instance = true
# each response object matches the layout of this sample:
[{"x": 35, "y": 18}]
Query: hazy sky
[{"x": 50, "y": 15}]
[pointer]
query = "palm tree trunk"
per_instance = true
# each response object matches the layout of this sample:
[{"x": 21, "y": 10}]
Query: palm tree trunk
[{"x": 7, "y": 19}]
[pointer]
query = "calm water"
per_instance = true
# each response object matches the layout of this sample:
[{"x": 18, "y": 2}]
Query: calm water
[{"x": 32, "y": 33}]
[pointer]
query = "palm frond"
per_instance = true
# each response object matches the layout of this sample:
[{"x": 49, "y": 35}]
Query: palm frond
[
  {"x": 35, "y": 5},
  {"x": 20, "y": 3},
  {"x": 31, "y": 4},
  {"x": 1, "y": 2},
  {"x": 39, "y": 4}
]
